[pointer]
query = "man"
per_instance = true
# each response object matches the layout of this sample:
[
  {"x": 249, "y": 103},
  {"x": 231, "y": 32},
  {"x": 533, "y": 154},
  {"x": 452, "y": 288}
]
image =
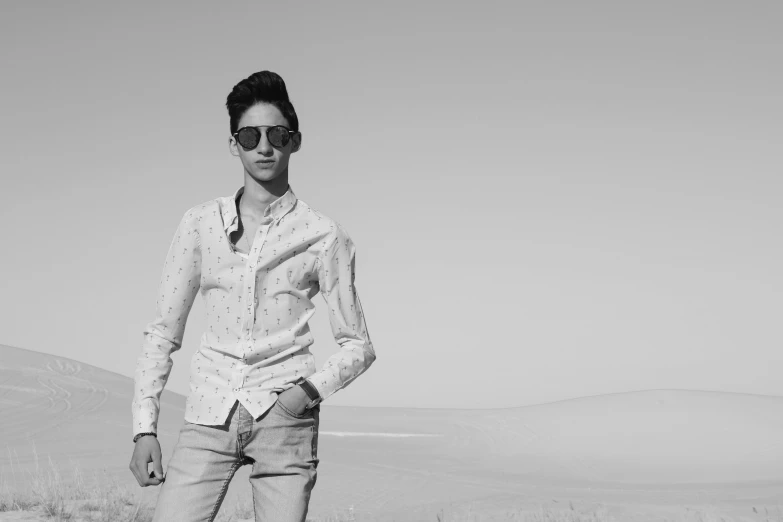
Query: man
[{"x": 258, "y": 258}]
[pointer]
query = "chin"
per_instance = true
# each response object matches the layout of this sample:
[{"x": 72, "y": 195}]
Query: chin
[{"x": 266, "y": 175}]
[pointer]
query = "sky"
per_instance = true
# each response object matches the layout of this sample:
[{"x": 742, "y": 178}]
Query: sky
[{"x": 548, "y": 200}]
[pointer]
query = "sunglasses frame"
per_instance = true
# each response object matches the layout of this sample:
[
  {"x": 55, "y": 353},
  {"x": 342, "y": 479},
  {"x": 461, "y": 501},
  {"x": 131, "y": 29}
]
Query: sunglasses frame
[{"x": 258, "y": 128}]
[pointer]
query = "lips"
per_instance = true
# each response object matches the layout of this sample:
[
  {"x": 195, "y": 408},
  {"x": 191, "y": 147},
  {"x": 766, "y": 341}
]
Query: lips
[{"x": 265, "y": 161}]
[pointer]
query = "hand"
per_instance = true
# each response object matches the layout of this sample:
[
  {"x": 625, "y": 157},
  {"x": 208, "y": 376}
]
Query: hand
[
  {"x": 295, "y": 399},
  {"x": 147, "y": 450}
]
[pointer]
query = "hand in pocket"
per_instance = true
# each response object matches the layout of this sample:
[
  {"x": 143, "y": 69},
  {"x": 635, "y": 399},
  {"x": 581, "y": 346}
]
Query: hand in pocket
[{"x": 294, "y": 399}]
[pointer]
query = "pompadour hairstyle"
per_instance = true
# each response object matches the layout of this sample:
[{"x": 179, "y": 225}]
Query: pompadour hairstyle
[{"x": 260, "y": 87}]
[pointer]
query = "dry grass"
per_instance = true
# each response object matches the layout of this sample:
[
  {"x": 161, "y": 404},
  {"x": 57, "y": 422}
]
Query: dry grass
[
  {"x": 102, "y": 499},
  {"x": 71, "y": 499}
]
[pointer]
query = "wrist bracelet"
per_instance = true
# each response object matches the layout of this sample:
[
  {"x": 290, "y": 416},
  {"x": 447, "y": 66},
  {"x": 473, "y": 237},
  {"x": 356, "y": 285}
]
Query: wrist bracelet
[
  {"x": 310, "y": 390},
  {"x": 140, "y": 435}
]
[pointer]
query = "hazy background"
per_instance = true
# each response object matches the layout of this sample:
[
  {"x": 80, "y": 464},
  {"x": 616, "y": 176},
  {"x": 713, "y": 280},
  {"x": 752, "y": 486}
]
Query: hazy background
[{"x": 548, "y": 200}]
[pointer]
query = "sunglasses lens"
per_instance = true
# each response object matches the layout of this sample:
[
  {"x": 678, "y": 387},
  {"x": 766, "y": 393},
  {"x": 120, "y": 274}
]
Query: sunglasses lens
[
  {"x": 248, "y": 137},
  {"x": 278, "y": 136}
]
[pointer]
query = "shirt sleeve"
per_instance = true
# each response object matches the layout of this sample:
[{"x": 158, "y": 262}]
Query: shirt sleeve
[
  {"x": 179, "y": 285},
  {"x": 336, "y": 274}
]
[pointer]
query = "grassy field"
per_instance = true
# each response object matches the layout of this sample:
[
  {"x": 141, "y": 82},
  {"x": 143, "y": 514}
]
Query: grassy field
[{"x": 46, "y": 494}]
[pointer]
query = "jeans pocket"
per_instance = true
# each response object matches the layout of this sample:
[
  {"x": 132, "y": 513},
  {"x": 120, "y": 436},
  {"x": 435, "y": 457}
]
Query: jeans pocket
[{"x": 307, "y": 414}]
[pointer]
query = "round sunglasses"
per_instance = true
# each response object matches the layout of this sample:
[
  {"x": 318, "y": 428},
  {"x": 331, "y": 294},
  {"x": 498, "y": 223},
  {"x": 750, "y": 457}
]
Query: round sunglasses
[{"x": 278, "y": 136}]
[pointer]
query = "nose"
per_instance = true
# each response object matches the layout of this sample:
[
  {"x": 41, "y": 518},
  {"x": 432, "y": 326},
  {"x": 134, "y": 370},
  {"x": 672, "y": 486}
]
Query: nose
[{"x": 264, "y": 147}]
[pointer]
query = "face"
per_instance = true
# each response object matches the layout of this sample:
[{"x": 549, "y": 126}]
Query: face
[{"x": 265, "y": 162}]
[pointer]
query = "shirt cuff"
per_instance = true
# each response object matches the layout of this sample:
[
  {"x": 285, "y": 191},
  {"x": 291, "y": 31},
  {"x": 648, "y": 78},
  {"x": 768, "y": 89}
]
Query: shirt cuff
[{"x": 145, "y": 419}]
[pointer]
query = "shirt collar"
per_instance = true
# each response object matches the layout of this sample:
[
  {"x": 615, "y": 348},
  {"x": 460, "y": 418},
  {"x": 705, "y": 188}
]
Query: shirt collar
[{"x": 277, "y": 209}]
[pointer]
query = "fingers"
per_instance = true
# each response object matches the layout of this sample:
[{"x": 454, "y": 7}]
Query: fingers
[
  {"x": 157, "y": 466},
  {"x": 138, "y": 467},
  {"x": 132, "y": 468}
]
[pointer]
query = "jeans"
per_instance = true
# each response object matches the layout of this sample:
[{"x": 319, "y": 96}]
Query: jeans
[{"x": 281, "y": 446}]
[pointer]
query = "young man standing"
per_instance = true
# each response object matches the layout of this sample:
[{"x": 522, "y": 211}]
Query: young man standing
[{"x": 258, "y": 258}]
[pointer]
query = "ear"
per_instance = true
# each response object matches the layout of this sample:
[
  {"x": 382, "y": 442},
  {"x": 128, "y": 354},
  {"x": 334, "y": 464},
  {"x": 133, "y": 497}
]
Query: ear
[
  {"x": 296, "y": 141},
  {"x": 232, "y": 146}
]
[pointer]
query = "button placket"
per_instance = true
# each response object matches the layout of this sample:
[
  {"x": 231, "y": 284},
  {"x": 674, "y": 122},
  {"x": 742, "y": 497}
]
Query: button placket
[
  {"x": 241, "y": 375},
  {"x": 253, "y": 259},
  {"x": 249, "y": 295}
]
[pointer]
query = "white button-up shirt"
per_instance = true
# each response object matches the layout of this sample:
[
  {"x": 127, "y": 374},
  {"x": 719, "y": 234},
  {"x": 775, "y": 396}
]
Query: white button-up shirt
[{"x": 257, "y": 338}]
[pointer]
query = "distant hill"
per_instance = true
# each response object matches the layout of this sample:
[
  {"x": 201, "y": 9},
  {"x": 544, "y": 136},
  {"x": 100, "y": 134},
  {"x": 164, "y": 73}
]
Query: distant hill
[
  {"x": 66, "y": 408},
  {"x": 78, "y": 413}
]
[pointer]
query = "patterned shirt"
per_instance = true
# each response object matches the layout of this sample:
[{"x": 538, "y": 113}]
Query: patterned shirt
[{"x": 257, "y": 338}]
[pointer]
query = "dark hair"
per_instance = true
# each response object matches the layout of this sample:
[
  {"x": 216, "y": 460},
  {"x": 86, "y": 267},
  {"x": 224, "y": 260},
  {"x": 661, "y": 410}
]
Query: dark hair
[{"x": 260, "y": 87}]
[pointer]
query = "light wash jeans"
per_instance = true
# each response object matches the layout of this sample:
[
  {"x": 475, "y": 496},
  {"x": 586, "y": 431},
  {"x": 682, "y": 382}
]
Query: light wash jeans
[{"x": 281, "y": 446}]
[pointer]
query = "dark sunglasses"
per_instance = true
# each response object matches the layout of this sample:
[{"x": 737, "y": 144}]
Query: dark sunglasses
[{"x": 277, "y": 135}]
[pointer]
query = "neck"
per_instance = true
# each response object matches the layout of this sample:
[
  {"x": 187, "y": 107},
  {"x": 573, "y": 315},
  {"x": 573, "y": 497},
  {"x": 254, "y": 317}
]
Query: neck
[{"x": 258, "y": 195}]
